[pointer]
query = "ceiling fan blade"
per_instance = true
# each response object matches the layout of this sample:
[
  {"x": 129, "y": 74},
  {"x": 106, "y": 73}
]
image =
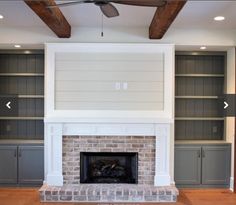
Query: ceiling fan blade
[
  {"x": 109, "y": 10},
  {"x": 149, "y": 3},
  {"x": 70, "y": 3}
]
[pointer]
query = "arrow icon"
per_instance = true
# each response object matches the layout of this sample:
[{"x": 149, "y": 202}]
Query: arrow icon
[
  {"x": 226, "y": 105},
  {"x": 8, "y": 105}
]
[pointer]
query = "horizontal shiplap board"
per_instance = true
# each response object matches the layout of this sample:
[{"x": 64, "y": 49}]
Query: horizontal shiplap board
[
  {"x": 88, "y": 81},
  {"x": 127, "y": 66},
  {"x": 109, "y": 76},
  {"x": 107, "y": 86},
  {"x": 109, "y": 96},
  {"x": 102, "y": 56},
  {"x": 109, "y": 106}
]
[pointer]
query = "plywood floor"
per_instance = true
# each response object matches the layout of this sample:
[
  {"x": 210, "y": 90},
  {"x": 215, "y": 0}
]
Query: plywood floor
[{"x": 29, "y": 196}]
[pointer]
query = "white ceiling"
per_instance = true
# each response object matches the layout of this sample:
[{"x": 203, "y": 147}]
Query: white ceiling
[{"x": 195, "y": 14}]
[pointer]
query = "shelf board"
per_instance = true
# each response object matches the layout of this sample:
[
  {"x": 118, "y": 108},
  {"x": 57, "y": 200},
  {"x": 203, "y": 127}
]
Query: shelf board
[
  {"x": 201, "y": 142},
  {"x": 22, "y": 74},
  {"x": 199, "y": 75},
  {"x": 21, "y": 118},
  {"x": 200, "y": 118},
  {"x": 195, "y": 97},
  {"x": 30, "y": 96},
  {"x": 13, "y": 140}
]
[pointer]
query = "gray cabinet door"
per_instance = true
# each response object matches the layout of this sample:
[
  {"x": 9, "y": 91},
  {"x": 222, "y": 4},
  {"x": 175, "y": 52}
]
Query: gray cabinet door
[
  {"x": 8, "y": 164},
  {"x": 187, "y": 165},
  {"x": 216, "y": 165},
  {"x": 31, "y": 164}
]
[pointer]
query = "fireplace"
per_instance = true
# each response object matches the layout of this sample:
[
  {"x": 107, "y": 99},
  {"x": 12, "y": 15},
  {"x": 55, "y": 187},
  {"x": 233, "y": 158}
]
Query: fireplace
[{"x": 108, "y": 167}]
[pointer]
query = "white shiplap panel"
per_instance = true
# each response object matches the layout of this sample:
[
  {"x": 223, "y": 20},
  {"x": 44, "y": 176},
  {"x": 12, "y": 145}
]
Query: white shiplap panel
[
  {"x": 109, "y": 96},
  {"x": 109, "y": 106},
  {"x": 101, "y": 56},
  {"x": 110, "y": 66},
  {"x": 107, "y": 86},
  {"x": 88, "y": 81},
  {"x": 109, "y": 76}
]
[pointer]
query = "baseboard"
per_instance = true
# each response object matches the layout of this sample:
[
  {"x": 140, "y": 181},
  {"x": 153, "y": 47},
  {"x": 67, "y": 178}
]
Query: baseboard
[{"x": 231, "y": 183}]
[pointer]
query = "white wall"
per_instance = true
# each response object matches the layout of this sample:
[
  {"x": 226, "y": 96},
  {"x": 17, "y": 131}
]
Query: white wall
[
  {"x": 31, "y": 35},
  {"x": 230, "y": 121}
]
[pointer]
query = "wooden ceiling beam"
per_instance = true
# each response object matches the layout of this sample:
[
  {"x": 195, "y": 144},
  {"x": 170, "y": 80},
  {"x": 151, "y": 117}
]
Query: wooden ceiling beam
[
  {"x": 164, "y": 17},
  {"x": 52, "y": 17}
]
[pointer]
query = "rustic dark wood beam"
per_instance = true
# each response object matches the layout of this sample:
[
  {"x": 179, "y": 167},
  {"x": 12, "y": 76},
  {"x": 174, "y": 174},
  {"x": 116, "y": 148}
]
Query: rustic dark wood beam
[
  {"x": 164, "y": 17},
  {"x": 53, "y": 17}
]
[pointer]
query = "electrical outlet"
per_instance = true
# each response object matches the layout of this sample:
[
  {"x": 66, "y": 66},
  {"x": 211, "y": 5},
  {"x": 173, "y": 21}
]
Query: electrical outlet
[
  {"x": 117, "y": 86},
  {"x": 8, "y": 128},
  {"x": 125, "y": 86}
]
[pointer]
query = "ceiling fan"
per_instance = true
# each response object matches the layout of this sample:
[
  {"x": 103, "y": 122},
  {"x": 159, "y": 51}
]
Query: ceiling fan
[{"x": 109, "y": 10}]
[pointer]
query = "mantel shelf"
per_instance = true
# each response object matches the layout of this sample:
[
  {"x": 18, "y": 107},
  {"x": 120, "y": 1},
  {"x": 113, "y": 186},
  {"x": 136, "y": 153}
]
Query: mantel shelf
[
  {"x": 195, "y": 97},
  {"x": 199, "y": 75},
  {"x": 22, "y": 74},
  {"x": 200, "y": 118}
]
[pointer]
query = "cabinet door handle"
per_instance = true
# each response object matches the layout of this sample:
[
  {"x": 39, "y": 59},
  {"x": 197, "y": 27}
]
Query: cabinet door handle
[
  {"x": 199, "y": 153},
  {"x": 15, "y": 153},
  {"x": 19, "y": 153},
  {"x": 203, "y": 153}
]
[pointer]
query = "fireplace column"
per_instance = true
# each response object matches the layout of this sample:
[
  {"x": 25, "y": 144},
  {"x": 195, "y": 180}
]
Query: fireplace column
[
  {"x": 53, "y": 154},
  {"x": 162, "y": 166}
]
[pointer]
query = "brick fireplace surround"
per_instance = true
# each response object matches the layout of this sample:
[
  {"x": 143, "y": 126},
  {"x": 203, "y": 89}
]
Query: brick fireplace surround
[{"x": 63, "y": 145}]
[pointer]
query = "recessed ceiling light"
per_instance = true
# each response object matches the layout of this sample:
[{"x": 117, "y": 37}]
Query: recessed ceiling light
[
  {"x": 1, "y": 16},
  {"x": 27, "y": 52},
  {"x": 219, "y": 18},
  {"x": 203, "y": 47},
  {"x": 17, "y": 46}
]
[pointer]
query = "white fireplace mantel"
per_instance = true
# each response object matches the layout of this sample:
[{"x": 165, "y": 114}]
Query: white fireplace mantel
[
  {"x": 55, "y": 132},
  {"x": 135, "y": 121}
]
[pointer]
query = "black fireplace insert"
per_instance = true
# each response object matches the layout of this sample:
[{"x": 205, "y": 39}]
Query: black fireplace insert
[{"x": 108, "y": 167}]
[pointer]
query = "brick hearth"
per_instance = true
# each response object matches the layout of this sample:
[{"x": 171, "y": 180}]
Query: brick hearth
[
  {"x": 73, "y": 191},
  {"x": 108, "y": 193}
]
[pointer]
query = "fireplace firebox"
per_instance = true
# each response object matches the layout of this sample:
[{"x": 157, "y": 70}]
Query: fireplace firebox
[{"x": 108, "y": 167}]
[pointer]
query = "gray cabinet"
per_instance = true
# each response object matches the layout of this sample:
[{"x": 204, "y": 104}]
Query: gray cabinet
[
  {"x": 30, "y": 164},
  {"x": 21, "y": 164},
  {"x": 188, "y": 165},
  {"x": 215, "y": 164},
  {"x": 202, "y": 165},
  {"x": 8, "y": 164}
]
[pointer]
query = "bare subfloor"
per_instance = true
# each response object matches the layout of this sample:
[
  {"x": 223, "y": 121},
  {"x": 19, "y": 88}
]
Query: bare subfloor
[{"x": 30, "y": 196}]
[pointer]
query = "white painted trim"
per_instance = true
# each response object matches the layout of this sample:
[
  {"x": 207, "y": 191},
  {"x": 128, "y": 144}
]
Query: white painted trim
[
  {"x": 109, "y": 115},
  {"x": 162, "y": 166},
  {"x": 108, "y": 120},
  {"x": 53, "y": 154},
  {"x": 55, "y": 131},
  {"x": 232, "y": 183}
]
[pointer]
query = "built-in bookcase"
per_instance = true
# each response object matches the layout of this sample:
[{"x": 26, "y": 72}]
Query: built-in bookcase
[
  {"x": 199, "y": 82},
  {"x": 22, "y": 74}
]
